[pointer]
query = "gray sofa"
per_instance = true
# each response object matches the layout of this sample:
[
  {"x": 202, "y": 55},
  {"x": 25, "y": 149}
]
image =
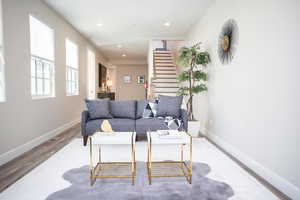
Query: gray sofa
[{"x": 125, "y": 116}]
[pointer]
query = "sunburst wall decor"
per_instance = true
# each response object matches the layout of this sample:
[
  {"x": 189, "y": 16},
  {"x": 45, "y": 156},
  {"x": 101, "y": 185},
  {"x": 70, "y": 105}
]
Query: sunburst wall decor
[{"x": 228, "y": 41}]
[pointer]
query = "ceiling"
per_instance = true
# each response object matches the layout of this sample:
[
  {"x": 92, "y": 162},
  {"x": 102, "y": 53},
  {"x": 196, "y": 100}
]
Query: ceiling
[{"x": 130, "y": 23}]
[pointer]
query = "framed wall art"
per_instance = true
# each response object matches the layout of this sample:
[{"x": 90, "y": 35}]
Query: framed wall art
[
  {"x": 127, "y": 79},
  {"x": 141, "y": 79}
]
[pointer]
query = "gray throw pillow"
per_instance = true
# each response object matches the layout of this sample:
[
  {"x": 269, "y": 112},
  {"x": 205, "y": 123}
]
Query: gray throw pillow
[
  {"x": 123, "y": 109},
  {"x": 98, "y": 109},
  {"x": 169, "y": 106},
  {"x": 141, "y": 105}
]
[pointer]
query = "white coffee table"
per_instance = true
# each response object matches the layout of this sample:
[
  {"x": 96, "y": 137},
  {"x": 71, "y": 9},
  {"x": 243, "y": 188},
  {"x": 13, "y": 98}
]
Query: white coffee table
[
  {"x": 185, "y": 167},
  {"x": 100, "y": 138}
]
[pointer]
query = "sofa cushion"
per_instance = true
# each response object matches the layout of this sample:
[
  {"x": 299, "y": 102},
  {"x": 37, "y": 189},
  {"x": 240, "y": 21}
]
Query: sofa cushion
[
  {"x": 98, "y": 109},
  {"x": 141, "y": 105},
  {"x": 117, "y": 124},
  {"x": 145, "y": 124},
  {"x": 169, "y": 106},
  {"x": 123, "y": 109}
]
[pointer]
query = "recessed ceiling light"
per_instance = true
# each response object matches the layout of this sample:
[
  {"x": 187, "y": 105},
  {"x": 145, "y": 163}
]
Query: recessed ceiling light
[
  {"x": 167, "y": 24},
  {"x": 119, "y": 46},
  {"x": 123, "y": 55},
  {"x": 99, "y": 25}
]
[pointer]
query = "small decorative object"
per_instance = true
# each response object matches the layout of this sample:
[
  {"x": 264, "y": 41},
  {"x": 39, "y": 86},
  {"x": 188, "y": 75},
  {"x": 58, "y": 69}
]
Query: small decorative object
[
  {"x": 195, "y": 62},
  {"x": 228, "y": 41},
  {"x": 141, "y": 79},
  {"x": 127, "y": 79},
  {"x": 109, "y": 85},
  {"x": 106, "y": 127}
]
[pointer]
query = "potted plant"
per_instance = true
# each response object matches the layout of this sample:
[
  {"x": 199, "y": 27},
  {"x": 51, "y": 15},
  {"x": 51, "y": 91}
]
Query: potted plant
[{"x": 194, "y": 75}]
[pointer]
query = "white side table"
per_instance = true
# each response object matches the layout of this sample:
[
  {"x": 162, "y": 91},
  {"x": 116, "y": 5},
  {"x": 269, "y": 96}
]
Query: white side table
[
  {"x": 112, "y": 139},
  {"x": 184, "y": 166}
]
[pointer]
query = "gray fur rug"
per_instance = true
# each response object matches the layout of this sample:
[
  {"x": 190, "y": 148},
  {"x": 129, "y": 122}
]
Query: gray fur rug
[{"x": 202, "y": 187}]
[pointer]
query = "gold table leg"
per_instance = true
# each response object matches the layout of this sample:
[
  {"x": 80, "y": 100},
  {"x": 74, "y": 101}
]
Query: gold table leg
[
  {"x": 181, "y": 156},
  {"x": 150, "y": 162},
  {"x": 191, "y": 162},
  {"x": 183, "y": 164},
  {"x": 94, "y": 171}
]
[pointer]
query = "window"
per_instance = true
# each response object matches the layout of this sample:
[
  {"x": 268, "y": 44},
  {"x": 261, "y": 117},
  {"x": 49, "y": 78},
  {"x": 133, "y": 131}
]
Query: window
[
  {"x": 72, "y": 68},
  {"x": 2, "y": 77},
  {"x": 42, "y": 59}
]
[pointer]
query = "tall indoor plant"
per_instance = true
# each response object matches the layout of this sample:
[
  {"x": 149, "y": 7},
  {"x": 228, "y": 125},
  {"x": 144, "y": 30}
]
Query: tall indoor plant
[{"x": 194, "y": 62}]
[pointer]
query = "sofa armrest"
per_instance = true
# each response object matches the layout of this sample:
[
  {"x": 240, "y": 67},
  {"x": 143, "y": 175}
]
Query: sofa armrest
[
  {"x": 184, "y": 118},
  {"x": 84, "y": 120}
]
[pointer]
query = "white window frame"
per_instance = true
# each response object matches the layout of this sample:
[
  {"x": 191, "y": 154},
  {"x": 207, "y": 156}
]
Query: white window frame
[
  {"x": 42, "y": 77},
  {"x": 71, "y": 80},
  {"x": 47, "y": 71}
]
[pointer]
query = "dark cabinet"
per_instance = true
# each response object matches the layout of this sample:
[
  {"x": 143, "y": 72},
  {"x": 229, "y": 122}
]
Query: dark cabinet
[{"x": 103, "y": 95}]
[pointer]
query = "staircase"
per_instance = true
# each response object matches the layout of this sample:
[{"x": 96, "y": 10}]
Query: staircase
[{"x": 164, "y": 81}]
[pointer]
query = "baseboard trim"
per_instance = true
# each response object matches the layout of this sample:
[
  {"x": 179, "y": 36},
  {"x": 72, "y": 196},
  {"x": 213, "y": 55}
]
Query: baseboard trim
[
  {"x": 277, "y": 181},
  {"x": 8, "y": 156}
]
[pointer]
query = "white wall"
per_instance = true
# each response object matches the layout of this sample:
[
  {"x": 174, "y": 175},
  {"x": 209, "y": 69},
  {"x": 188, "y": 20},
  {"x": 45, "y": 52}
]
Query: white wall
[
  {"x": 133, "y": 90},
  {"x": 253, "y": 103},
  {"x": 22, "y": 119},
  {"x": 150, "y": 65}
]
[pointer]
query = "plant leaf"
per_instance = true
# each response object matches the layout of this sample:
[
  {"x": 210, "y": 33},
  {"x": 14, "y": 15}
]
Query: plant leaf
[
  {"x": 183, "y": 91},
  {"x": 199, "y": 75},
  {"x": 184, "y": 76},
  {"x": 199, "y": 88}
]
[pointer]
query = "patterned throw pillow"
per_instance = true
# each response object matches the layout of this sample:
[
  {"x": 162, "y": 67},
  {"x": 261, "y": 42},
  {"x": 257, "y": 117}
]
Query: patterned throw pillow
[
  {"x": 173, "y": 123},
  {"x": 150, "y": 109}
]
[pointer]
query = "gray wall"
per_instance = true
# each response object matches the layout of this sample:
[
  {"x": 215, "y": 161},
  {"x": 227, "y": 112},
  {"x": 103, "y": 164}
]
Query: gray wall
[
  {"x": 23, "y": 119},
  {"x": 252, "y": 105}
]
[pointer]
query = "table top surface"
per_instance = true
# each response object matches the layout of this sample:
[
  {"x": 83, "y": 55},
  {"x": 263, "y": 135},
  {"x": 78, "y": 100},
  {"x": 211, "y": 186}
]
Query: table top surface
[
  {"x": 157, "y": 139},
  {"x": 113, "y": 138}
]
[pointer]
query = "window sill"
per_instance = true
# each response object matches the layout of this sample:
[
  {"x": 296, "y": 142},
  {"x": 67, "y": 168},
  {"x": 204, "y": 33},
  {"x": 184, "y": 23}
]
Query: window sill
[
  {"x": 41, "y": 97},
  {"x": 2, "y": 100},
  {"x": 72, "y": 95}
]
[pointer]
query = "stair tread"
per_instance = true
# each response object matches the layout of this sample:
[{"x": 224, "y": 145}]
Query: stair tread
[
  {"x": 166, "y": 87},
  {"x": 163, "y": 61},
  {"x": 170, "y": 65},
  {"x": 164, "y": 64},
  {"x": 168, "y": 51},
  {"x": 163, "y": 54},
  {"x": 166, "y": 82},
  {"x": 165, "y": 73},
  {"x": 165, "y": 69},
  {"x": 166, "y": 92},
  {"x": 163, "y": 58},
  {"x": 164, "y": 78}
]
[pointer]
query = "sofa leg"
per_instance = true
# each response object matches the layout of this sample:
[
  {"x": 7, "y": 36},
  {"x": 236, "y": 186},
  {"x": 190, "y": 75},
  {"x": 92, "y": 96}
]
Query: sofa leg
[{"x": 85, "y": 138}]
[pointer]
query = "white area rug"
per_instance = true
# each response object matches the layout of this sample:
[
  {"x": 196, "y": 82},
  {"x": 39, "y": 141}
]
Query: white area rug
[{"x": 47, "y": 178}]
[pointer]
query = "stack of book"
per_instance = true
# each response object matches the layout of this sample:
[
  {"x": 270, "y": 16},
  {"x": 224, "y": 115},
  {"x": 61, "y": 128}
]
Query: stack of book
[{"x": 170, "y": 134}]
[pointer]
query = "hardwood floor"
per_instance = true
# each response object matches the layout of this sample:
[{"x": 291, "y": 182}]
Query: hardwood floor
[{"x": 20, "y": 166}]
